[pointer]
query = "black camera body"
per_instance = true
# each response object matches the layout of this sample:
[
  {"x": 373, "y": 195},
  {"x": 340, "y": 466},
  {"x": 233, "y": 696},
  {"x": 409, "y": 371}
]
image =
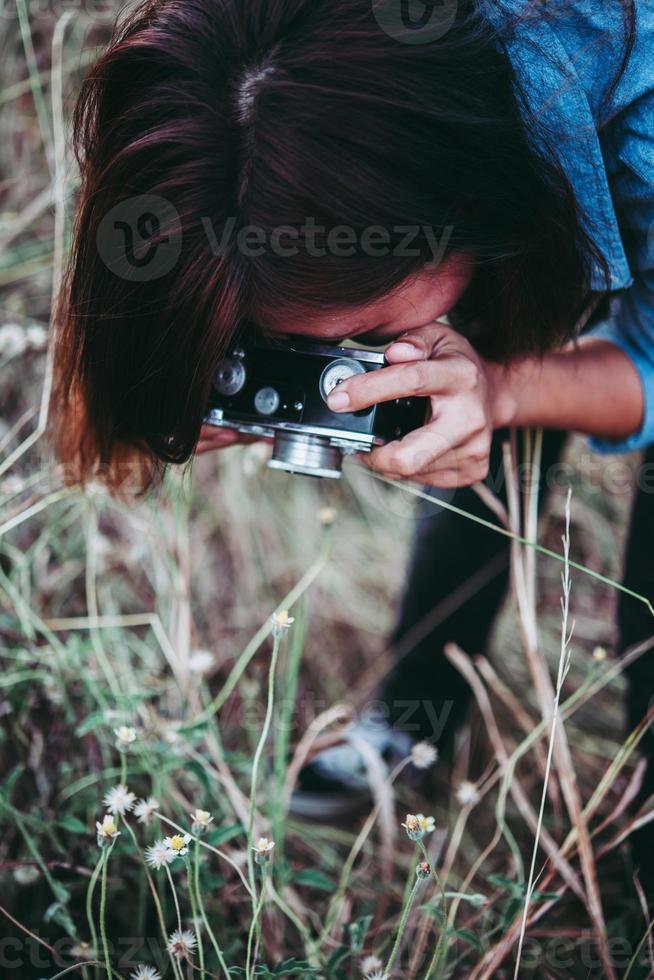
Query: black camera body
[{"x": 279, "y": 389}]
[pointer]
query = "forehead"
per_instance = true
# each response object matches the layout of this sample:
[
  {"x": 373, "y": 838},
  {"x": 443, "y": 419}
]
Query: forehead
[{"x": 337, "y": 323}]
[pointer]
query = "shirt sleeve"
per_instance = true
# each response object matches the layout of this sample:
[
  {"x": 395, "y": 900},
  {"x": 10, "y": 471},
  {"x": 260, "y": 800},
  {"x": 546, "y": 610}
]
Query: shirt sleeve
[{"x": 631, "y": 325}]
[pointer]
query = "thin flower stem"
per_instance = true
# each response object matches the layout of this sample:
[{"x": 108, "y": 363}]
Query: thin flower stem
[
  {"x": 310, "y": 945},
  {"x": 36, "y": 84},
  {"x": 254, "y": 926},
  {"x": 203, "y": 914},
  {"x": 634, "y": 958},
  {"x": 257, "y": 759},
  {"x": 82, "y": 966},
  {"x": 103, "y": 907},
  {"x": 155, "y": 897},
  {"x": 401, "y": 927},
  {"x": 89, "y": 906},
  {"x": 411, "y": 876},
  {"x": 440, "y": 945},
  {"x": 175, "y": 900},
  {"x": 246, "y": 656},
  {"x": 282, "y": 736},
  {"x": 194, "y": 914}
]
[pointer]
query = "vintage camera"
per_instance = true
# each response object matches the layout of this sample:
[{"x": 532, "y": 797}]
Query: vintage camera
[{"x": 279, "y": 389}]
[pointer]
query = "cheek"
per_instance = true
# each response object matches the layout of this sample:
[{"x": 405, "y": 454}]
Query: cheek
[
  {"x": 435, "y": 293},
  {"x": 446, "y": 291},
  {"x": 437, "y": 302}
]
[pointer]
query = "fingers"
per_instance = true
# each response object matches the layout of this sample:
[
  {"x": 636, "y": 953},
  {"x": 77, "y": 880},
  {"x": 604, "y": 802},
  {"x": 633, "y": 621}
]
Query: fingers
[
  {"x": 214, "y": 437},
  {"x": 417, "y": 344},
  {"x": 454, "y": 442},
  {"x": 418, "y": 378},
  {"x": 417, "y": 452},
  {"x": 455, "y": 469}
]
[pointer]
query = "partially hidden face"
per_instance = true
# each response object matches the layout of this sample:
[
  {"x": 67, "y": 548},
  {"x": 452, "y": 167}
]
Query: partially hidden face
[{"x": 424, "y": 298}]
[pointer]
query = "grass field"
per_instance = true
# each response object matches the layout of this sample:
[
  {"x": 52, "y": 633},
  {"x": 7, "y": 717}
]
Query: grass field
[{"x": 138, "y": 651}]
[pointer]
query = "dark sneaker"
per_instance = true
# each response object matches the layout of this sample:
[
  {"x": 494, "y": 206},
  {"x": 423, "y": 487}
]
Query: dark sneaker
[{"x": 335, "y": 783}]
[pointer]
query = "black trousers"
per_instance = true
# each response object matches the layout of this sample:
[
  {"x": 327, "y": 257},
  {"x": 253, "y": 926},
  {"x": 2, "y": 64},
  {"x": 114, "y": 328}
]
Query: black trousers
[{"x": 457, "y": 579}]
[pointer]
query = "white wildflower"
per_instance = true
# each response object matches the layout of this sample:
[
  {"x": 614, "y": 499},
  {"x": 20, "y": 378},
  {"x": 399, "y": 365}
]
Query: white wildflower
[
  {"x": 144, "y": 972},
  {"x": 119, "y": 800},
  {"x": 370, "y": 964},
  {"x": 423, "y": 755},
  {"x": 201, "y": 820},
  {"x": 13, "y": 340},
  {"x": 375, "y": 975},
  {"x": 182, "y": 943},
  {"x": 281, "y": 622},
  {"x": 171, "y": 735},
  {"x": 144, "y": 810},
  {"x": 107, "y": 830},
  {"x": 36, "y": 336},
  {"x": 467, "y": 794},
  {"x": 101, "y": 548},
  {"x": 417, "y": 825},
  {"x": 201, "y": 661},
  {"x": 599, "y": 655},
  {"x": 26, "y": 874},
  {"x": 95, "y": 488},
  {"x": 124, "y": 737},
  {"x": 158, "y": 855},
  {"x": 82, "y": 951},
  {"x": 12, "y": 485},
  {"x": 263, "y": 850},
  {"x": 327, "y": 516},
  {"x": 178, "y": 844}
]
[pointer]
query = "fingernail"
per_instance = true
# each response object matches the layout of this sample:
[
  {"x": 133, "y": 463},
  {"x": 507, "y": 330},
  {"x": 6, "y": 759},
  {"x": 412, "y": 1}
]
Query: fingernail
[
  {"x": 338, "y": 400},
  {"x": 405, "y": 350}
]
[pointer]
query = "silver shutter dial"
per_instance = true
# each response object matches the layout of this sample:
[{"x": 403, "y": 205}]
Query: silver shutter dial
[{"x": 337, "y": 372}]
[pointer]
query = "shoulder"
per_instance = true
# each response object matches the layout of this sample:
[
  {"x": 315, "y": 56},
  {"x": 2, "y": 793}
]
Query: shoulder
[{"x": 586, "y": 38}]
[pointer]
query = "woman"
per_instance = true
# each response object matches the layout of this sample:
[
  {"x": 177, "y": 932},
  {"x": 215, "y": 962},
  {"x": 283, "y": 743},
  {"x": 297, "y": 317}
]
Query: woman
[{"x": 352, "y": 170}]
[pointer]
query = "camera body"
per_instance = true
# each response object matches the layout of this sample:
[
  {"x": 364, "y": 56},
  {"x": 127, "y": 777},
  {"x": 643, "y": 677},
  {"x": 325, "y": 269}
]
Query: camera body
[{"x": 280, "y": 389}]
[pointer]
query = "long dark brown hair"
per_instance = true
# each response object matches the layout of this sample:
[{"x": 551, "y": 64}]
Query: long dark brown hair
[{"x": 208, "y": 121}]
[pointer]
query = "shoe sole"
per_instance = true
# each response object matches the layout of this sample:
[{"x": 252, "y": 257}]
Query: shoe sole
[{"x": 328, "y": 806}]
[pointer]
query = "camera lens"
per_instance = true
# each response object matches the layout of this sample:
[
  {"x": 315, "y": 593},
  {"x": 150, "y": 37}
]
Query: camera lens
[{"x": 338, "y": 371}]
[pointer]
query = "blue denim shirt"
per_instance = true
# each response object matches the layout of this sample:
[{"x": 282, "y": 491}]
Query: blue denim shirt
[{"x": 565, "y": 54}]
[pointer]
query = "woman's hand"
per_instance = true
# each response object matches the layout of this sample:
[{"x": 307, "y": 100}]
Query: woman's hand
[{"x": 452, "y": 448}]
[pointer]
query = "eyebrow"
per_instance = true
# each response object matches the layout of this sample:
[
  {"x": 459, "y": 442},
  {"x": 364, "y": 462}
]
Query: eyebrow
[{"x": 360, "y": 327}]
